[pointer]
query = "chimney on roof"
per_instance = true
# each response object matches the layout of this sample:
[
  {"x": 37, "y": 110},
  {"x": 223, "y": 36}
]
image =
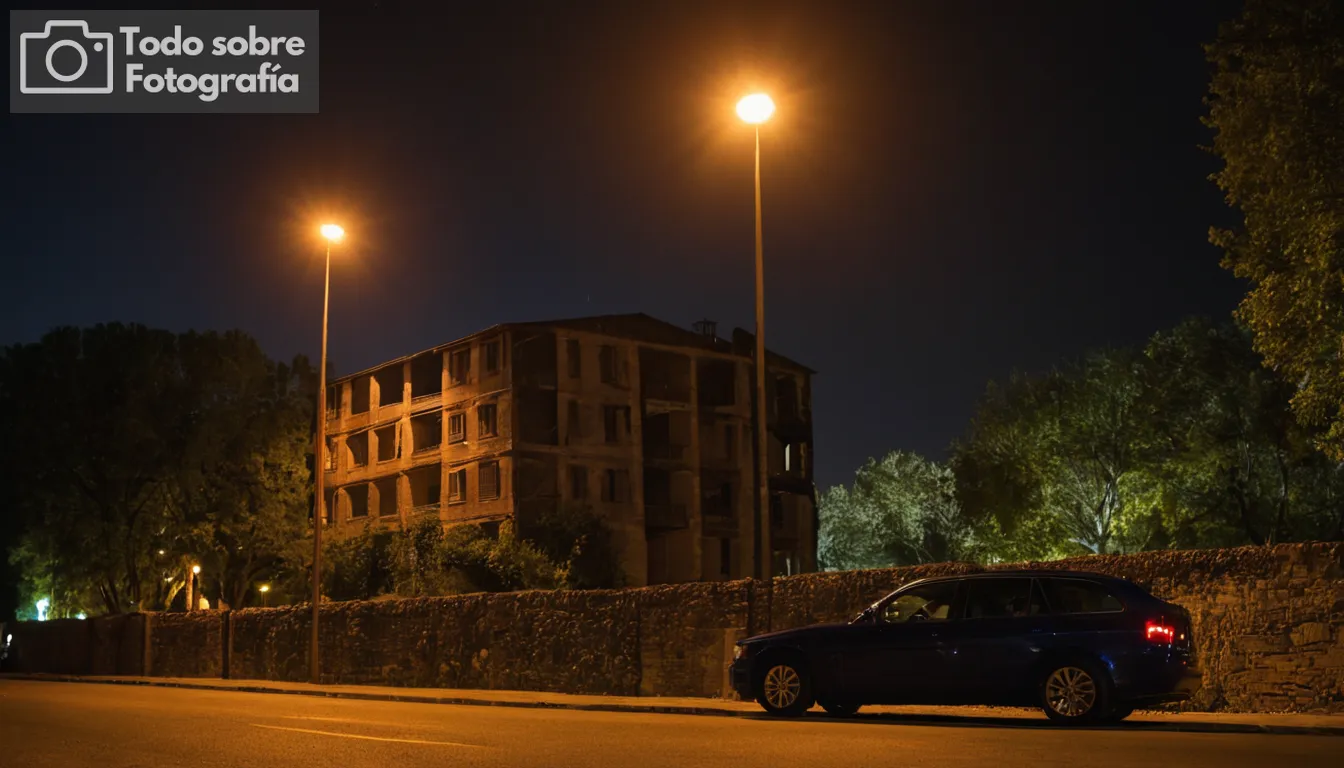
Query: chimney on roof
[{"x": 707, "y": 328}]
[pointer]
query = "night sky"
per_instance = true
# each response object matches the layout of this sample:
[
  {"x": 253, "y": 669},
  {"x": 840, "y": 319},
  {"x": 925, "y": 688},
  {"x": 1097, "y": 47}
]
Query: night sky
[{"x": 952, "y": 190}]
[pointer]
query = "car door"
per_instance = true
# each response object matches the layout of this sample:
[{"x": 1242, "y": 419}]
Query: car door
[
  {"x": 1004, "y": 627},
  {"x": 898, "y": 655}
]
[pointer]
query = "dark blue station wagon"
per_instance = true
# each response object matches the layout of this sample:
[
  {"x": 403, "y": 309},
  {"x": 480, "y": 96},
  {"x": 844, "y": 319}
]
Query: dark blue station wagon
[{"x": 1086, "y": 648}]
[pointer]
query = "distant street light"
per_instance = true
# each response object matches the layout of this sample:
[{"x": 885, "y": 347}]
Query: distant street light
[
  {"x": 265, "y": 590},
  {"x": 196, "y": 569},
  {"x": 756, "y": 109},
  {"x": 334, "y": 234}
]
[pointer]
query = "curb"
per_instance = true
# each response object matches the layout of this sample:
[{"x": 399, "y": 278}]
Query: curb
[{"x": 673, "y": 709}]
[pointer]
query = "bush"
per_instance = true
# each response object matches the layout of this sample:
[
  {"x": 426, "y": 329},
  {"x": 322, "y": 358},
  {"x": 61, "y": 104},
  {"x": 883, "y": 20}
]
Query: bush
[
  {"x": 429, "y": 560},
  {"x": 359, "y": 567},
  {"x": 572, "y": 549},
  {"x": 575, "y": 537}
]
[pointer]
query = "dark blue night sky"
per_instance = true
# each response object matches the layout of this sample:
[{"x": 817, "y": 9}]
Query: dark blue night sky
[{"x": 952, "y": 190}]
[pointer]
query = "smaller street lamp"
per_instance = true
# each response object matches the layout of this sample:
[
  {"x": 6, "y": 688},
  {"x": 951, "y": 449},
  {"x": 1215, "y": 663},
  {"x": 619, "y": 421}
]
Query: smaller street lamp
[
  {"x": 192, "y": 601},
  {"x": 265, "y": 590}
]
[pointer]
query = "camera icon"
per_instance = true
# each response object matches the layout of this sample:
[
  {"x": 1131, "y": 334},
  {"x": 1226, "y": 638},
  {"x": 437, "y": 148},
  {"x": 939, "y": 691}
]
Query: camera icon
[{"x": 94, "y": 48}]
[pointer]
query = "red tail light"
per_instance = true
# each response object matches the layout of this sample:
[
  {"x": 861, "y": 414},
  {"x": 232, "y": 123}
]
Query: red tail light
[{"x": 1160, "y": 632}]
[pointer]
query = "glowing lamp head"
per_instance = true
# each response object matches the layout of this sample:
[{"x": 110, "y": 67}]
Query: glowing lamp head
[
  {"x": 195, "y": 569},
  {"x": 756, "y": 108},
  {"x": 333, "y": 232},
  {"x": 265, "y": 588}
]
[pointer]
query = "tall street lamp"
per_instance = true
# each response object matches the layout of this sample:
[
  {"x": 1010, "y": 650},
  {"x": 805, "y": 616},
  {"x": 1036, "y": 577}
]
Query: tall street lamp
[
  {"x": 756, "y": 109},
  {"x": 333, "y": 234}
]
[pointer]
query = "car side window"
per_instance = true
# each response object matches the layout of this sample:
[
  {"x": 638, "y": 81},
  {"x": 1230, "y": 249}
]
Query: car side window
[
  {"x": 931, "y": 602},
  {"x": 1004, "y": 598},
  {"x": 1079, "y": 596}
]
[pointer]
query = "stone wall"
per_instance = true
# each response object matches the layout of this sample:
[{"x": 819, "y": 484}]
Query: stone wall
[
  {"x": 186, "y": 644},
  {"x": 687, "y": 633},
  {"x": 110, "y": 645},
  {"x": 1267, "y": 624},
  {"x": 117, "y": 644},
  {"x": 62, "y": 646}
]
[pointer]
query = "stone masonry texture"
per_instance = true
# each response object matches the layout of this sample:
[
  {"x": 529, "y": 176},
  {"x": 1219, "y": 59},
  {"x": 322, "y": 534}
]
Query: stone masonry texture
[{"x": 1267, "y": 623}]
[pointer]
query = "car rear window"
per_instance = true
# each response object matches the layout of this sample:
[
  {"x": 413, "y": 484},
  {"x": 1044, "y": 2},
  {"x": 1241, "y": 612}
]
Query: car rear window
[{"x": 1079, "y": 596}]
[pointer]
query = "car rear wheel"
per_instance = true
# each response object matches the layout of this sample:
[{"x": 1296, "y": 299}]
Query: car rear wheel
[
  {"x": 836, "y": 709},
  {"x": 1075, "y": 692},
  {"x": 785, "y": 690}
]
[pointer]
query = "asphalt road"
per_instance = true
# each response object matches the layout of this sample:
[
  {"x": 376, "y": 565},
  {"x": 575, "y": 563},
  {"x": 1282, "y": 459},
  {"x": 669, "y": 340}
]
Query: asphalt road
[{"x": 72, "y": 724}]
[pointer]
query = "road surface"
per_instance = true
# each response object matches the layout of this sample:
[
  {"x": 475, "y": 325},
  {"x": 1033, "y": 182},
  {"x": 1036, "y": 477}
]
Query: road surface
[{"x": 107, "y": 726}]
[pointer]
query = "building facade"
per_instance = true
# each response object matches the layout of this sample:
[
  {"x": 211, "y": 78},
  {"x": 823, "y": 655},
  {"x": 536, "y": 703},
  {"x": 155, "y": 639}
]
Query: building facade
[{"x": 647, "y": 423}]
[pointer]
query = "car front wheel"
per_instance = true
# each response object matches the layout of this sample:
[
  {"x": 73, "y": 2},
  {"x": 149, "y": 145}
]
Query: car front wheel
[
  {"x": 785, "y": 690},
  {"x": 1075, "y": 693}
]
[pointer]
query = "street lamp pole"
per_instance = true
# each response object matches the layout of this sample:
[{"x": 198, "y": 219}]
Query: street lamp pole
[
  {"x": 762, "y": 433},
  {"x": 756, "y": 109},
  {"x": 333, "y": 234}
]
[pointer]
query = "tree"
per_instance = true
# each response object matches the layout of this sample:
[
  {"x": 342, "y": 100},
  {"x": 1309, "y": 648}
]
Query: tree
[
  {"x": 98, "y": 416},
  {"x": 138, "y": 452},
  {"x": 241, "y": 490},
  {"x": 1050, "y": 455},
  {"x": 1230, "y": 465},
  {"x": 900, "y": 511},
  {"x": 1276, "y": 105},
  {"x": 998, "y": 472}
]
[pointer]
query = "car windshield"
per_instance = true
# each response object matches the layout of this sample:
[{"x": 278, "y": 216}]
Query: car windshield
[{"x": 932, "y": 602}]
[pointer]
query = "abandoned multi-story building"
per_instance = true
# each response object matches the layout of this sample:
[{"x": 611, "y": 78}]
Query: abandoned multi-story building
[{"x": 648, "y": 423}]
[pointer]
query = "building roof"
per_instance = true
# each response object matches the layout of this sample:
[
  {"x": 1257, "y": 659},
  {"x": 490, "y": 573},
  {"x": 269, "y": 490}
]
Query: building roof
[{"x": 635, "y": 326}]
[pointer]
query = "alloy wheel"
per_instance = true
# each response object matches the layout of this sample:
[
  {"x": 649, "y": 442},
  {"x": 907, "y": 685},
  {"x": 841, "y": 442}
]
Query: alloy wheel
[
  {"x": 782, "y": 686},
  {"x": 1071, "y": 692}
]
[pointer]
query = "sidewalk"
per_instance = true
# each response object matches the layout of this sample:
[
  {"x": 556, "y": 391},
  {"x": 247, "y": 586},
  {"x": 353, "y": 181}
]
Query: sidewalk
[{"x": 1209, "y": 722}]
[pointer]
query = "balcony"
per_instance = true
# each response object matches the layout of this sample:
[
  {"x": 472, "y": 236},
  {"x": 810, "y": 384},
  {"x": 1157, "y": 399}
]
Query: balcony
[
  {"x": 426, "y": 402},
  {"x": 666, "y": 516}
]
